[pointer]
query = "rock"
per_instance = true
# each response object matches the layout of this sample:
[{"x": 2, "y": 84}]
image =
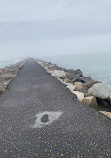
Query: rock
[
  {"x": 110, "y": 99},
  {"x": 78, "y": 86},
  {"x": 78, "y": 72},
  {"x": 101, "y": 90},
  {"x": 15, "y": 70},
  {"x": 90, "y": 84},
  {"x": 86, "y": 80},
  {"x": 81, "y": 85},
  {"x": 5, "y": 85},
  {"x": 87, "y": 95},
  {"x": 52, "y": 67},
  {"x": 1, "y": 91},
  {"x": 2, "y": 79},
  {"x": 80, "y": 96},
  {"x": 59, "y": 73},
  {"x": 66, "y": 80},
  {"x": 108, "y": 114},
  {"x": 72, "y": 77},
  {"x": 1, "y": 72},
  {"x": 6, "y": 70},
  {"x": 71, "y": 87},
  {"x": 8, "y": 76},
  {"x": 91, "y": 101},
  {"x": 45, "y": 118}
]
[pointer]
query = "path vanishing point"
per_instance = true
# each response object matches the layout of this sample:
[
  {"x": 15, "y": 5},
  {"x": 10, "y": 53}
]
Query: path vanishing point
[{"x": 41, "y": 118}]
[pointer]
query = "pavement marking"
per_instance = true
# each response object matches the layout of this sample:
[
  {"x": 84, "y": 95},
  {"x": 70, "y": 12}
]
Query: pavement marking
[{"x": 48, "y": 116}]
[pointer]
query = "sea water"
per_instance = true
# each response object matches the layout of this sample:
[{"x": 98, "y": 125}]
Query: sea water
[
  {"x": 7, "y": 62},
  {"x": 97, "y": 66}
]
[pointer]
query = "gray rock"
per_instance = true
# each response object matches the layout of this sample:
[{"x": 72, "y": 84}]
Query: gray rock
[
  {"x": 59, "y": 73},
  {"x": 90, "y": 84},
  {"x": 8, "y": 76},
  {"x": 91, "y": 101},
  {"x": 72, "y": 77},
  {"x": 80, "y": 87},
  {"x": 78, "y": 72},
  {"x": 101, "y": 90},
  {"x": 86, "y": 80},
  {"x": 2, "y": 79},
  {"x": 1, "y": 72}
]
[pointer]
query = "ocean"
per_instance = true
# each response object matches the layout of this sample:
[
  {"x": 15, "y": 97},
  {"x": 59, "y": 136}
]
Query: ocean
[
  {"x": 97, "y": 66},
  {"x": 7, "y": 62}
]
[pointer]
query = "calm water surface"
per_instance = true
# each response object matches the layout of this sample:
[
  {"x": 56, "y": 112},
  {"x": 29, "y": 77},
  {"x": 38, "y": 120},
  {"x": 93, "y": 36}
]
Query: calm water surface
[
  {"x": 98, "y": 66},
  {"x": 7, "y": 62}
]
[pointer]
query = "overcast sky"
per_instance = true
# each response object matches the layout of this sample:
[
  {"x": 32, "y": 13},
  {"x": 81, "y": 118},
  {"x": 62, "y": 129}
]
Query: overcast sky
[{"x": 53, "y": 27}]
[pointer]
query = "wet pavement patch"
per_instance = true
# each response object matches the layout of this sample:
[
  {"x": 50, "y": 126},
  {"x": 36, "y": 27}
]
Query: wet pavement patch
[{"x": 46, "y": 118}]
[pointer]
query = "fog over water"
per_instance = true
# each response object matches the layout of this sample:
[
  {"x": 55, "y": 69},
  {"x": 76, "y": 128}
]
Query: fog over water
[
  {"x": 48, "y": 27},
  {"x": 71, "y": 33}
]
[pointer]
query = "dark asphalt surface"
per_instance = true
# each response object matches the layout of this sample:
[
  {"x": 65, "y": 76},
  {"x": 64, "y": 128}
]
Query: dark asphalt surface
[{"x": 80, "y": 132}]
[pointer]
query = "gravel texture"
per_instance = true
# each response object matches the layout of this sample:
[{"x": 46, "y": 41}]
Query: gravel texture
[{"x": 79, "y": 132}]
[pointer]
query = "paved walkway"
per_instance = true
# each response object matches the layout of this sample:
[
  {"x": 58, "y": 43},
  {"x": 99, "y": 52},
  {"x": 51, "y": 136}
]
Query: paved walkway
[{"x": 67, "y": 129}]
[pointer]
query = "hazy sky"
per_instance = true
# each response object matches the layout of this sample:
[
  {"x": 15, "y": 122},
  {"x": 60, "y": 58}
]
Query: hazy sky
[{"x": 52, "y": 27}]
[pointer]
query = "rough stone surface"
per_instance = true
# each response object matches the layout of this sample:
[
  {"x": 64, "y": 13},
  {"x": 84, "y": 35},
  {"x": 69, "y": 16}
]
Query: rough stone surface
[
  {"x": 72, "y": 76},
  {"x": 8, "y": 76},
  {"x": 2, "y": 78},
  {"x": 91, "y": 101},
  {"x": 1, "y": 72},
  {"x": 80, "y": 96},
  {"x": 79, "y": 132},
  {"x": 86, "y": 80},
  {"x": 67, "y": 80},
  {"x": 78, "y": 72},
  {"x": 80, "y": 87},
  {"x": 71, "y": 87},
  {"x": 59, "y": 73},
  {"x": 52, "y": 67},
  {"x": 90, "y": 84},
  {"x": 1, "y": 91},
  {"x": 101, "y": 90}
]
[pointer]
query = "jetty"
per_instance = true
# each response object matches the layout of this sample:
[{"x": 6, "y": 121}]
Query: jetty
[{"x": 41, "y": 118}]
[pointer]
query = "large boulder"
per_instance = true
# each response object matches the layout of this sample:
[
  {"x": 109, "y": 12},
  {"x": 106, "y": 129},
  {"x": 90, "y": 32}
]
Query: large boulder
[
  {"x": 2, "y": 89},
  {"x": 66, "y": 80},
  {"x": 59, "y": 74},
  {"x": 2, "y": 79},
  {"x": 71, "y": 87},
  {"x": 72, "y": 77},
  {"x": 52, "y": 67},
  {"x": 8, "y": 76},
  {"x": 101, "y": 90},
  {"x": 90, "y": 84},
  {"x": 91, "y": 101},
  {"x": 1, "y": 72},
  {"x": 81, "y": 87},
  {"x": 86, "y": 80},
  {"x": 79, "y": 95},
  {"x": 78, "y": 72}
]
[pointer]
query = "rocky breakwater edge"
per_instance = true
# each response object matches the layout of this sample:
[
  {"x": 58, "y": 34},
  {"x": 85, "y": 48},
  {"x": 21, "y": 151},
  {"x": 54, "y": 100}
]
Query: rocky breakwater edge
[
  {"x": 88, "y": 91},
  {"x": 8, "y": 73}
]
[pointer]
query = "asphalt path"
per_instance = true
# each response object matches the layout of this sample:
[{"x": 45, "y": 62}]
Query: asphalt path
[{"x": 41, "y": 118}]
